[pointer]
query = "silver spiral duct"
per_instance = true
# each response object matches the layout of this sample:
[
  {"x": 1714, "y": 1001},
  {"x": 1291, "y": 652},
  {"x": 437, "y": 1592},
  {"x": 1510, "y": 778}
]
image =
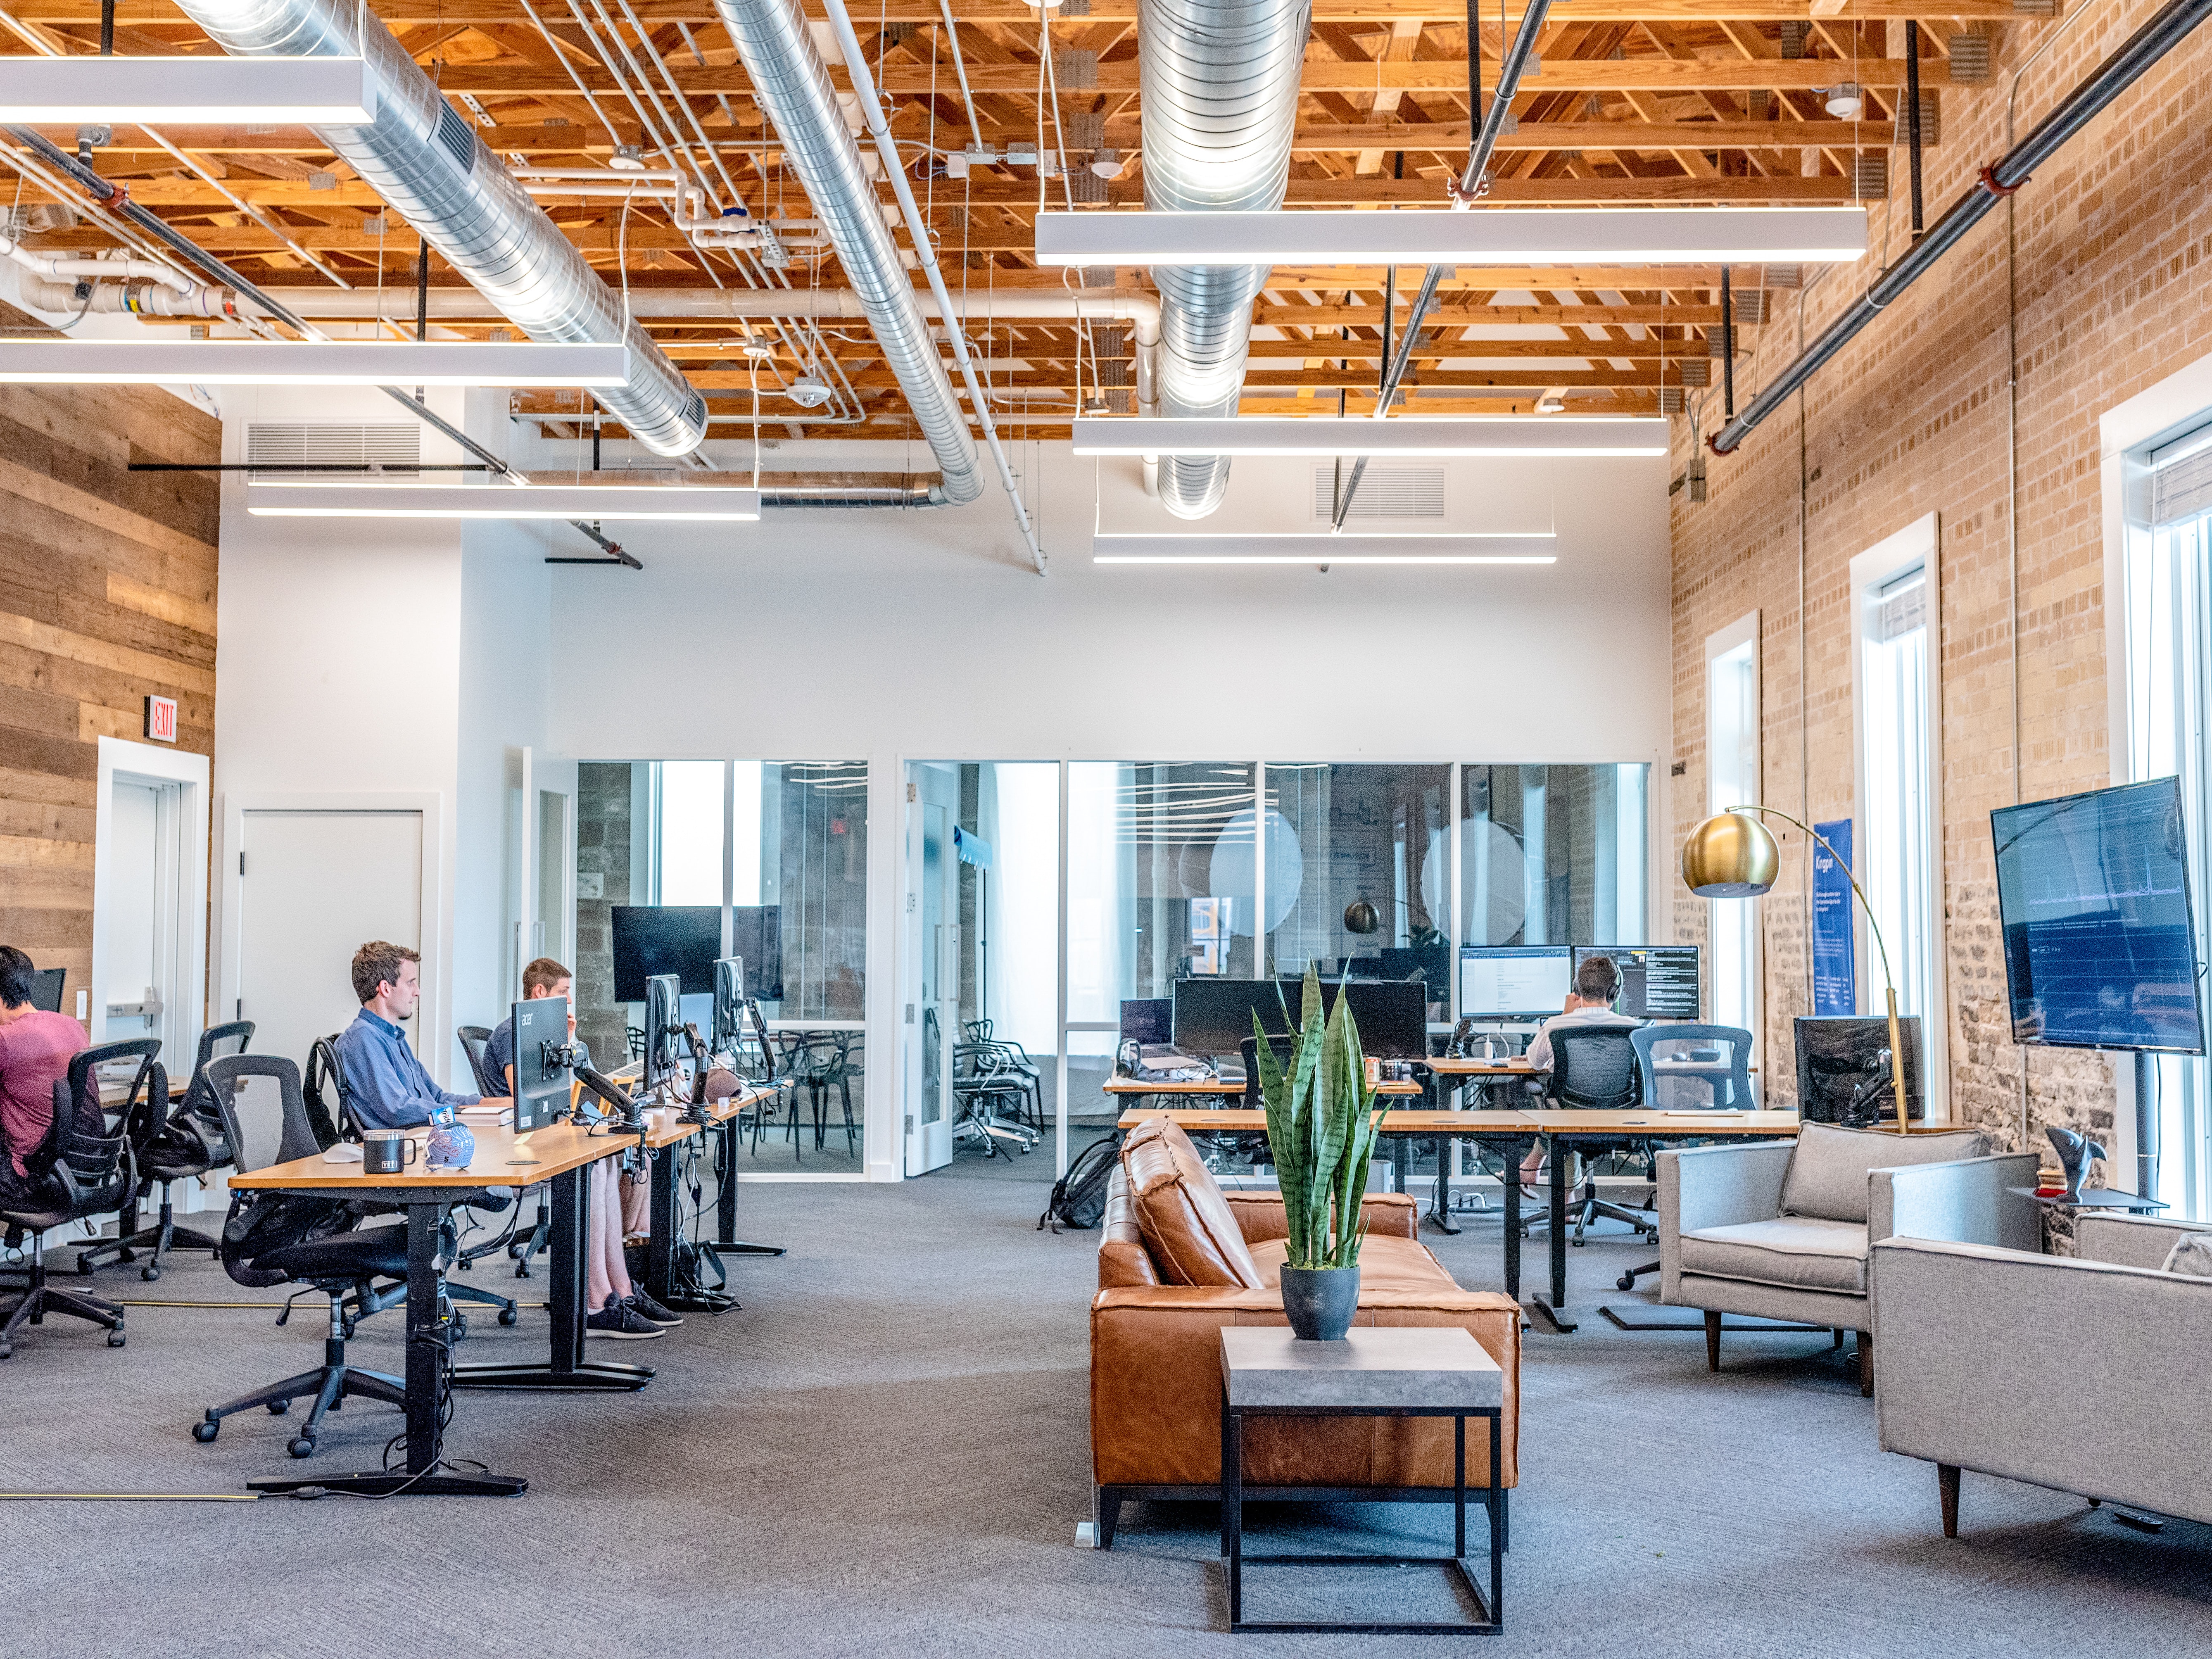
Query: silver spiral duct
[
  {"x": 427, "y": 162},
  {"x": 1218, "y": 85},
  {"x": 792, "y": 86}
]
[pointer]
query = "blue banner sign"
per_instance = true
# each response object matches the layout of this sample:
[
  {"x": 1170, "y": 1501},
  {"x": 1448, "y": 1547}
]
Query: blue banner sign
[{"x": 1835, "y": 961}]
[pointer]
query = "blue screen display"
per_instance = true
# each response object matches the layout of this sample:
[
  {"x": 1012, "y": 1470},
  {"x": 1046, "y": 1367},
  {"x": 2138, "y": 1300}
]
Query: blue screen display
[{"x": 2101, "y": 946}]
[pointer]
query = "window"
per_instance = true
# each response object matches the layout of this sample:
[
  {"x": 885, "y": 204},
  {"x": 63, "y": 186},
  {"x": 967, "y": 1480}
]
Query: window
[
  {"x": 1552, "y": 855},
  {"x": 1733, "y": 779},
  {"x": 2169, "y": 588},
  {"x": 1898, "y": 710}
]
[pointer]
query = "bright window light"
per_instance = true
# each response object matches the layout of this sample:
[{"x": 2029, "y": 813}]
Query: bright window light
[
  {"x": 1399, "y": 436},
  {"x": 1482, "y": 236},
  {"x": 155, "y": 362},
  {"x": 164, "y": 91},
  {"x": 607, "y": 503}
]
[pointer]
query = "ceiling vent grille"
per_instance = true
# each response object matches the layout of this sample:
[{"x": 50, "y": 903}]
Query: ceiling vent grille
[
  {"x": 1385, "y": 492},
  {"x": 291, "y": 445}
]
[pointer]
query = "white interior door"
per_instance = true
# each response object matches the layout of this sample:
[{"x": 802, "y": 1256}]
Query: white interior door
[
  {"x": 139, "y": 993},
  {"x": 552, "y": 909},
  {"x": 314, "y": 886},
  {"x": 933, "y": 960}
]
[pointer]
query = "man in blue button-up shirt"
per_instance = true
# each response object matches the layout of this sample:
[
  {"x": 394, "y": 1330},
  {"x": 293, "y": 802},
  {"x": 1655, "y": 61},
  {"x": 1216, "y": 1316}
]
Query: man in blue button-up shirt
[{"x": 386, "y": 1085}]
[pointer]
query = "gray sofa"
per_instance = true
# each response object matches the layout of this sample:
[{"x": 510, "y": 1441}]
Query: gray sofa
[
  {"x": 2076, "y": 1373},
  {"x": 1780, "y": 1230}
]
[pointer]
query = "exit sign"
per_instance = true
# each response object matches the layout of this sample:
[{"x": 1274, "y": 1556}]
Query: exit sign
[{"x": 161, "y": 720}]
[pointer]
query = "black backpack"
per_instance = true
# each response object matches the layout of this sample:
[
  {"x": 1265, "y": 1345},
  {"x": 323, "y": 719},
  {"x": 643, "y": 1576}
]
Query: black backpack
[{"x": 1078, "y": 1198}]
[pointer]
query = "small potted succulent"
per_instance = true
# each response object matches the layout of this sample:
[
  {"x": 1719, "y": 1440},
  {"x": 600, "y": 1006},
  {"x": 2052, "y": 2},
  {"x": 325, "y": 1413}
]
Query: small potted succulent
[{"x": 1321, "y": 1132}]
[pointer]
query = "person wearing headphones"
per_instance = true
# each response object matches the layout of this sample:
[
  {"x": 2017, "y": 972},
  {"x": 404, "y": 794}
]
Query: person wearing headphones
[{"x": 1597, "y": 983}]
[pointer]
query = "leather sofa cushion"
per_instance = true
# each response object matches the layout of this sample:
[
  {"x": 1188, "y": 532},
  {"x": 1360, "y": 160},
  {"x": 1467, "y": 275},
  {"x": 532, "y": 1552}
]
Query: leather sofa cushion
[
  {"x": 1386, "y": 1264},
  {"x": 1187, "y": 1226},
  {"x": 1829, "y": 1167},
  {"x": 1802, "y": 1253}
]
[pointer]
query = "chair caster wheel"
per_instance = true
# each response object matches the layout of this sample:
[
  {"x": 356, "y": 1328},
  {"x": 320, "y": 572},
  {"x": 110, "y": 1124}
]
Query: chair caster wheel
[
  {"x": 84, "y": 1266},
  {"x": 510, "y": 1315},
  {"x": 203, "y": 1432},
  {"x": 127, "y": 1255},
  {"x": 461, "y": 1327},
  {"x": 1576, "y": 1242},
  {"x": 1625, "y": 1282},
  {"x": 278, "y": 1407},
  {"x": 6, "y": 1349},
  {"x": 115, "y": 1339},
  {"x": 303, "y": 1446},
  {"x": 150, "y": 1274}
]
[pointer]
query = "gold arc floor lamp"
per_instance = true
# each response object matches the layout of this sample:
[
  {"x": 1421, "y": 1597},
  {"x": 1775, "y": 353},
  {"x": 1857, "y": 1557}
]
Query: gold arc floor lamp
[{"x": 1732, "y": 855}]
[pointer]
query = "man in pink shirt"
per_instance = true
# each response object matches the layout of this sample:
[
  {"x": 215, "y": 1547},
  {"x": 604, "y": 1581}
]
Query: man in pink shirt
[{"x": 35, "y": 1049}]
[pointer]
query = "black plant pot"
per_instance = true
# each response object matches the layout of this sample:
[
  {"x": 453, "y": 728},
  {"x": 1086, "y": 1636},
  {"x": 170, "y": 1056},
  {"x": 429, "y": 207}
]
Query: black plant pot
[{"x": 1320, "y": 1301}]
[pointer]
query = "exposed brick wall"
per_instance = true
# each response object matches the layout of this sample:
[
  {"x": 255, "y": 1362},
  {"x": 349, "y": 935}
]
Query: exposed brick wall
[{"x": 2112, "y": 283}]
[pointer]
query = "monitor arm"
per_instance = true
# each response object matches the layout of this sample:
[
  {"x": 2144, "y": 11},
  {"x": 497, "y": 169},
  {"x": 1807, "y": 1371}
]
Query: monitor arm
[{"x": 629, "y": 1120}]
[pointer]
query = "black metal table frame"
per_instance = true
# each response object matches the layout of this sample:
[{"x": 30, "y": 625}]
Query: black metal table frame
[{"x": 1232, "y": 1525}]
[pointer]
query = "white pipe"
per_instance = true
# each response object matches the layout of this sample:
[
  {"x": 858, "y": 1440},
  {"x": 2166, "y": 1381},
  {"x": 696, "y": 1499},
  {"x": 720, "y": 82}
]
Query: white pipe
[{"x": 146, "y": 270}]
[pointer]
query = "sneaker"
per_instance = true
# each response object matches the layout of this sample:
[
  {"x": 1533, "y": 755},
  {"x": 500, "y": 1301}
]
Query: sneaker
[
  {"x": 648, "y": 1308},
  {"x": 621, "y": 1321}
]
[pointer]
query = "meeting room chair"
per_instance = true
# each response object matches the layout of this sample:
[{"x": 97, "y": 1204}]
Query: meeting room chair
[
  {"x": 1688, "y": 1068},
  {"x": 1595, "y": 1069},
  {"x": 318, "y": 1243},
  {"x": 80, "y": 1168}
]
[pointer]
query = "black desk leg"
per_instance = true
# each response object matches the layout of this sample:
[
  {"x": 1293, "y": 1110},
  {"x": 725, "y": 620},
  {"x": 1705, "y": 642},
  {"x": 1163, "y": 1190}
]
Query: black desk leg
[
  {"x": 1555, "y": 1312},
  {"x": 1447, "y": 1155},
  {"x": 1233, "y": 1508},
  {"x": 725, "y": 1199},
  {"x": 427, "y": 1358},
  {"x": 1514, "y": 1153},
  {"x": 565, "y": 1369}
]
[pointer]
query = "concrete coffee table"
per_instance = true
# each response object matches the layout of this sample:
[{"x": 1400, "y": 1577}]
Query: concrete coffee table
[{"x": 1385, "y": 1371}]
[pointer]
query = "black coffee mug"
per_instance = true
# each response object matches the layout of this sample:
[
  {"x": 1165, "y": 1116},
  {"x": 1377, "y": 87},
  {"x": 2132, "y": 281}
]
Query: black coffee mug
[{"x": 386, "y": 1151}]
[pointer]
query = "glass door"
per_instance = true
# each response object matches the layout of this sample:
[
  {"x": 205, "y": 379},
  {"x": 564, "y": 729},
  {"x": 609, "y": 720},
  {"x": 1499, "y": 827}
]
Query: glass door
[{"x": 931, "y": 1025}]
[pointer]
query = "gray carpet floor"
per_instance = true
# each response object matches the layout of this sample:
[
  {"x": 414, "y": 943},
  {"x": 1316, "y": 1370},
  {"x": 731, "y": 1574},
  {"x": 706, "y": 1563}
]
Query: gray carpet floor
[{"x": 883, "y": 1452}]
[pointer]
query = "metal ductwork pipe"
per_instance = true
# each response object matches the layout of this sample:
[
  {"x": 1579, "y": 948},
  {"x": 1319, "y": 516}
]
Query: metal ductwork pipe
[
  {"x": 792, "y": 87},
  {"x": 426, "y": 161},
  {"x": 1219, "y": 82},
  {"x": 1999, "y": 180}
]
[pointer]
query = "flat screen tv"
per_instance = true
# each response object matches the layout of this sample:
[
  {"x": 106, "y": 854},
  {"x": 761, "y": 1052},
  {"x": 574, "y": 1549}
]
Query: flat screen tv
[
  {"x": 680, "y": 940},
  {"x": 2100, "y": 940}
]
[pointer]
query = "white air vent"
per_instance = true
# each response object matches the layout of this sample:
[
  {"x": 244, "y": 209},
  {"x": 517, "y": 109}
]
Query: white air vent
[
  {"x": 1385, "y": 492},
  {"x": 295, "y": 444}
]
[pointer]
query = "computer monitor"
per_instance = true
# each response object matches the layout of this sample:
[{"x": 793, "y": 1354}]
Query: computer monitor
[
  {"x": 1844, "y": 1074},
  {"x": 757, "y": 935},
  {"x": 1392, "y": 1015},
  {"x": 683, "y": 939},
  {"x": 1514, "y": 981},
  {"x": 1147, "y": 1019},
  {"x": 1657, "y": 981},
  {"x": 1432, "y": 962},
  {"x": 1213, "y": 1015},
  {"x": 46, "y": 990},
  {"x": 663, "y": 1029},
  {"x": 542, "y": 1077},
  {"x": 729, "y": 1005}
]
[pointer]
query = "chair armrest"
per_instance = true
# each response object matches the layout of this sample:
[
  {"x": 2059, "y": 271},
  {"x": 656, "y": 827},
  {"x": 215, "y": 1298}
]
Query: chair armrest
[
  {"x": 2130, "y": 1241},
  {"x": 1261, "y": 1216},
  {"x": 2044, "y": 1369},
  {"x": 1714, "y": 1187},
  {"x": 1972, "y": 1201}
]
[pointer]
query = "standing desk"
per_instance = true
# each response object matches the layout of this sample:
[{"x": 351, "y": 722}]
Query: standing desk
[
  {"x": 561, "y": 1153},
  {"x": 1516, "y": 1132},
  {"x": 665, "y": 1127},
  {"x": 1131, "y": 1087}
]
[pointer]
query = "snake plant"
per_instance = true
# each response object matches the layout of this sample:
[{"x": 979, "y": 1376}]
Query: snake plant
[{"x": 1320, "y": 1128}]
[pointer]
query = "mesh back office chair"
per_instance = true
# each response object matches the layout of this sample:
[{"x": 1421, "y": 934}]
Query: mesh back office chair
[
  {"x": 1593, "y": 1068},
  {"x": 1687, "y": 1068},
  {"x": 271, "y": 1238},
  {"x": 474, "y": 1040},
  {"x": 185, "y": 1145},
  {"x": 476, "y": 1045},
  {"x": 80, "y": 1168}
]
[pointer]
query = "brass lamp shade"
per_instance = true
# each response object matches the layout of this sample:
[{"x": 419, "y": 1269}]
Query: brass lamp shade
[{"x": 1731, "y": 856}]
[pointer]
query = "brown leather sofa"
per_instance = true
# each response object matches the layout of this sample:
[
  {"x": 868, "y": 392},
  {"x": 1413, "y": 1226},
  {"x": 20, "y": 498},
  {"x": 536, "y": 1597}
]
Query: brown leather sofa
[{"x": 1180, "y": 1259}]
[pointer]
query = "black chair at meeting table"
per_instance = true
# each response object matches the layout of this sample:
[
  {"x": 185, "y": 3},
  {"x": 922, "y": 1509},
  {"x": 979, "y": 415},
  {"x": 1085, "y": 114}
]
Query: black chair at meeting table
[
  {"x": 268, "y": 1125},
  {"x": 80, "y": 1170},
  {"x": 166, "y": 1147},
  {"x": 475, "y": 1043},
  {"x": 1593, "y": 1068}
]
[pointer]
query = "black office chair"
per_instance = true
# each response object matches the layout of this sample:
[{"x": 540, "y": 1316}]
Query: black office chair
[
  {"x": 1595, "y": 1069},
  {"x": 273, "y": 1238},
  {"x": 475, "y": 1041},
  {"x": 1687, "y": 1068},
  {"x": 183, "y": 1146},
  {"x": 475, "y": 1044},
  {"x": 138, "y": 1118},
  {"x": 80, "y": 1168}
]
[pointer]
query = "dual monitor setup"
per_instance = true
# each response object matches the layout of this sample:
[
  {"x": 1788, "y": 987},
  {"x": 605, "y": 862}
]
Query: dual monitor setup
[{"x": 1531, "y": 982}]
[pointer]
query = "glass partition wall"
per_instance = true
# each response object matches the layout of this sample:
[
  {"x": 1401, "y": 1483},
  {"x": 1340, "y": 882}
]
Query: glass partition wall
[
  {"x": 1087, "y": 885},
  {"x": 769, "y": 860}
]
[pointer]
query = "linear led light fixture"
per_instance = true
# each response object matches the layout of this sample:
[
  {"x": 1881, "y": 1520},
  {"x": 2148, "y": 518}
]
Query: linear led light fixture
[
  {"x": 1309, "y": 551},
  {"x": 1481, "y": 236},
  {"x": 600, "y": 503},
  {"x": 311, "y": 362},
  {"x": 166, "y": 91},
  {"x": 1399, "y": 435}
]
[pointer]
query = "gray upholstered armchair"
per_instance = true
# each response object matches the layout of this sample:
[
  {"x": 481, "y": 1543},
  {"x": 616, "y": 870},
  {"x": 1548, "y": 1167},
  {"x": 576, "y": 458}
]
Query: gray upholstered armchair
[
  {"x": 2078, "y": 1373},
  {"x": 1781, "y": 1231}
]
